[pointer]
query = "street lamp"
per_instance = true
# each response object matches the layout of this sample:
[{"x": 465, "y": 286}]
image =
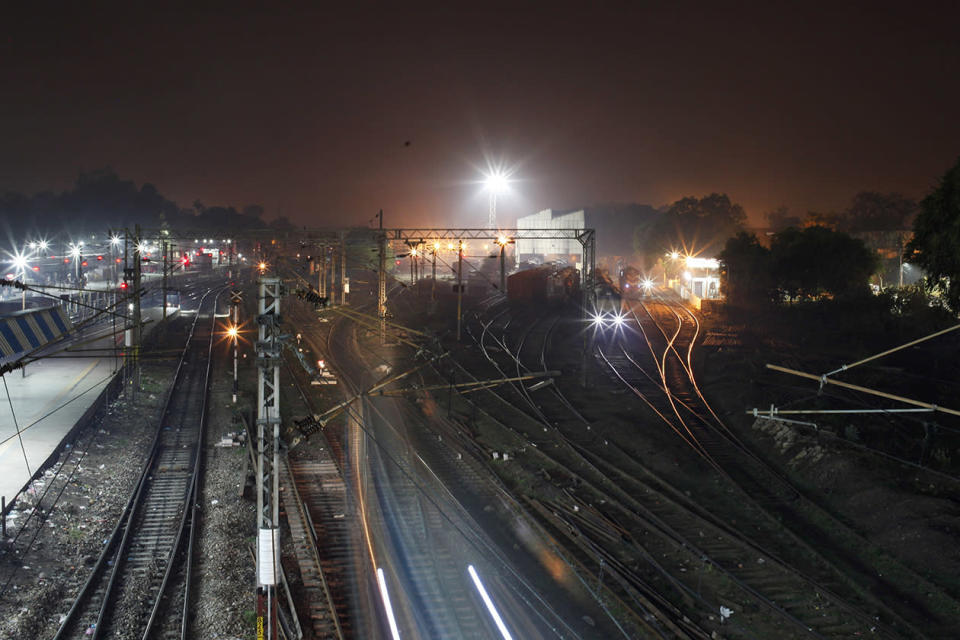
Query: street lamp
[
  {"x": 19, "y": 262},
  {"x": 496, "y": 183},
  {"x": 234, "y": 334}
]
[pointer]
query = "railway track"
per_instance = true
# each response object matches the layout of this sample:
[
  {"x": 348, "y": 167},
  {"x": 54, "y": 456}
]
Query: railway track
[
  {"x": 314, "y": 492},
  {"x": 140, "y": 584},
  {"x": 641, "y": 508},
  {"x": 678, "y": 329}
]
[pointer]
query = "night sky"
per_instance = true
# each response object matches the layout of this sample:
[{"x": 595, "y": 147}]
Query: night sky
[{"x": 309, "y": 112}]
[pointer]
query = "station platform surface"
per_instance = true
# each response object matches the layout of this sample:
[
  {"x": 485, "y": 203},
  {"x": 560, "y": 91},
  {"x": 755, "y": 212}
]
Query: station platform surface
[{"x": 45, "y": 400}]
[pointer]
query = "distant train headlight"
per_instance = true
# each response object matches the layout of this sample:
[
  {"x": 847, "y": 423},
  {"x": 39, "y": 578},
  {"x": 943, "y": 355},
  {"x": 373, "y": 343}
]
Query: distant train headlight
[
  {"x": 597, "y": 319},
  {"x": 618, "y": 320}
]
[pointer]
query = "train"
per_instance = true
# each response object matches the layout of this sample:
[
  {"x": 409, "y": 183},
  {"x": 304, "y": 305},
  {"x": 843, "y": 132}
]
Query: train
[
  {"x": 630, "y": 283},
  {"x": 546, "y": 283}
]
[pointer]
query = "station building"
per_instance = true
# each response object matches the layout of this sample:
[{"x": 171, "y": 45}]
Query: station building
[{"x": 614, "y": 226}]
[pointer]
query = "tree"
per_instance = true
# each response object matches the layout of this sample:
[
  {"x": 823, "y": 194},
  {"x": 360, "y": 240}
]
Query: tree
[
  {"x": 781, "y": 218},
  {"x": 872, "y": 211},
  {"x": 696, "y": 224},
  {"x": 254, "y": 211},
  {"x": 745, "y": 274},
  {"x": 829, "y": 219},
  {"x": 813, "y": 262},
  {"x": 935, "y": 246}
]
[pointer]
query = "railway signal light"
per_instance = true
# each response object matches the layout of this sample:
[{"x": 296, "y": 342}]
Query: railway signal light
[{"x": 99, "y": 258}]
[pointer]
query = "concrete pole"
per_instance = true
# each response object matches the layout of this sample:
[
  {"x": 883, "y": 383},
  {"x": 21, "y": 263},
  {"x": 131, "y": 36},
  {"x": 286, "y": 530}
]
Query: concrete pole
[
  {"x": 343, "y": 268},
  {"x": 236, "y": 339},
  {"x": 503, "y": 277},
  {"x": 164, "y": 248},
  {"x": 459, "y": 287},
  {"x": 382, "y": 283},
  {"x": 322, "y": 272},
  {"x": 137, "y": 309}
]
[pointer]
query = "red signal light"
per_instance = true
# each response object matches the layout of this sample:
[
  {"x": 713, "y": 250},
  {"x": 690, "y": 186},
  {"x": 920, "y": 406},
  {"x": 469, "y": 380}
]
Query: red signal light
[
  {"x": 83, "y": 264},
  {"x": 118, "y": 260},
  {"x": 66, "y": 261},
  {"x": 123, "y": 285},
  {"x": 99, "y": 257},
  {"x": 36, "y": 268}
]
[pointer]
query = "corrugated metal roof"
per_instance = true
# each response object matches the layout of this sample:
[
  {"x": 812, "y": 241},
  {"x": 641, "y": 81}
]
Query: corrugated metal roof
[{"x": 24, "y": 331}]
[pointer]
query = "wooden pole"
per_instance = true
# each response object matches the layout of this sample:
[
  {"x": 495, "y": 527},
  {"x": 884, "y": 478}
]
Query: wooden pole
[{"x": 854, "y": 387}]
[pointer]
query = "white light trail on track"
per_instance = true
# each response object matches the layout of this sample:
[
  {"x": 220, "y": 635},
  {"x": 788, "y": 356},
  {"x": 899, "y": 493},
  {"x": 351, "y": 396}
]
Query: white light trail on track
[
  {"x": 487, "y": 601},
  {"x": 386, "y": 604}
]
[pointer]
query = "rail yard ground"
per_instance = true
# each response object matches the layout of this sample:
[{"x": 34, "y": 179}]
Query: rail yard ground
[
  {"x": 889, "y": 527},
  {"x": 658, "y": 532},
  {"x": 76, "y": 503}
]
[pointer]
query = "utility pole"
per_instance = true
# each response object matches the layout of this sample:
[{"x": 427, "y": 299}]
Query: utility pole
[
  {"x": 235, "y": 300},
  {"x": 459, "y": 286},
  {"x": 382, "y": 283},
  {"x": 322, "y": 272},
  {"x": 137, "y": 317},
  {"x": 269, "y": 357},
  {"x": 343, "y": 268},
  {"x": 164, "y": 248},
  {"x": 433, "y": 276},
  {"x": 332, "y": 297}
]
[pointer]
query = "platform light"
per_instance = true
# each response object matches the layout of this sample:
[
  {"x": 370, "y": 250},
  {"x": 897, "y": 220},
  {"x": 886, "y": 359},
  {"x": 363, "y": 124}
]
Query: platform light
[
  {"x": 232, "y": 332},
  {"x": 19, "y": 261},
  {"x": 114, "y": 240},
  {"x": 43, "y": 245},
  {"x": 436, "y": 245}
]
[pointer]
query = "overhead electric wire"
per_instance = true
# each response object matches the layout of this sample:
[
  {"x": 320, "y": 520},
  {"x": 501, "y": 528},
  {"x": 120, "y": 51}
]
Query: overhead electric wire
[{"x": 17, "y": 427}]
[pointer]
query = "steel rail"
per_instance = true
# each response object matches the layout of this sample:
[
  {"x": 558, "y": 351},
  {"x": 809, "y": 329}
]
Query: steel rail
[{"x": 128, "y": 513}]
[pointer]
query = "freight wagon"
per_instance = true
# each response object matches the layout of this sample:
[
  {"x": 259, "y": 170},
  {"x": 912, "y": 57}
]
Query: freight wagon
[{"x": 547, "y": 283}]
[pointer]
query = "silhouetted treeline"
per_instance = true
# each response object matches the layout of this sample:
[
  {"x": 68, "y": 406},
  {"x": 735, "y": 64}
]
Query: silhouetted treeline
[
  {"x": 102, "y": 200},
  {"x": 801, "y": 264},
  {"x": 691, "y": 225},
  {"x": 868, "y": 211}
]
